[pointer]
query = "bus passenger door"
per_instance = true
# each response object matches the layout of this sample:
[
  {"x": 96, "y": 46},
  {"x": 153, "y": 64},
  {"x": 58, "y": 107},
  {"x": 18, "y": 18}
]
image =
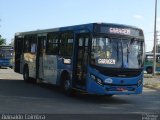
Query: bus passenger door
[
  {"x": 40, "y": 56},
  {"x": 81, "y": 58},
  {"x": 18, "y": 46}
]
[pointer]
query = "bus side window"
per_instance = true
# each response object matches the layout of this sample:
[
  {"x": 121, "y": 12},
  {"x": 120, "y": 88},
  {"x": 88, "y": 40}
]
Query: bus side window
[
  {"x": 158, "y": 59},
  {"x": 30, "y": 44},
  {"x": 26, "y": 44},
  {"x": 80, "y": 49},
  {"x": 33, "y": 48},
  {"x": 66, "y": 44},
  {"x": 52, "y": 44}
]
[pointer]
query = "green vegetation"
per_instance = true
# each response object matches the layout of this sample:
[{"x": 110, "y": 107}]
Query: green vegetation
[{"x": 2, "y": 40}]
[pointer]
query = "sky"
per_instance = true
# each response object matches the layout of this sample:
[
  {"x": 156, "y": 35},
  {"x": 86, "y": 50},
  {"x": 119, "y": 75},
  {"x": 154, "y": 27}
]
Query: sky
[{"x": 27, "y": 15}]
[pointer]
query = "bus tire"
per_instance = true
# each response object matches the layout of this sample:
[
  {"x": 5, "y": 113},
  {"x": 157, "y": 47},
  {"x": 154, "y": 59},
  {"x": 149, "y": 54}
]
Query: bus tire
[
  {"x": 26, "y": 74},
  {"x": 66, "y": 85},
  {"x": 149, "y": 70}
]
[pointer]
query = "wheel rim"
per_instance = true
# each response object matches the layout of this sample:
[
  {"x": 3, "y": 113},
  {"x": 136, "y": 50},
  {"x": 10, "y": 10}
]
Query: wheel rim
[{"x": 66, "y": 85}]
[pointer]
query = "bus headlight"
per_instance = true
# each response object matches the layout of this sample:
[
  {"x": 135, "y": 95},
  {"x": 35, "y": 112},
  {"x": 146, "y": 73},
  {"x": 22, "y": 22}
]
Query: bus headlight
[
  {"x": 97, "y": 80},
  {"x": 139, "y": 82}
]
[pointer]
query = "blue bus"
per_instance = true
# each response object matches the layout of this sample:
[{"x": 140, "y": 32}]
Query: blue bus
[
  {"x": 6, "y": 56},
  {"x": 148, "y": 62},
  {"x": 96, "y": 58}
]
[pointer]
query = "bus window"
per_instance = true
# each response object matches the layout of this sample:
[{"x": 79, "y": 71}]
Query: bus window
[
  {"x": 52, "y": 44},
  {"x": 26, "y": 45},
  {"x": 66, "y": 41},
  {"x": 30, "y": 44},
  {"x": 158, "y": 59},
  {"x": 33, "y": 48}
]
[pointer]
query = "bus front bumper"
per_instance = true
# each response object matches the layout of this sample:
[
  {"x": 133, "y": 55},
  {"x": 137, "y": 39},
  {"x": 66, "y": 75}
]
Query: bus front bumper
[{"x": 94, "y": 88}]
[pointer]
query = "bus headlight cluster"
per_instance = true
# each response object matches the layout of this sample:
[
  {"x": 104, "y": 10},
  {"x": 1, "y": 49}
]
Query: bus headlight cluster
[
  {"x": 97, "y": 80},
  {"x": 139, "y": 82}
]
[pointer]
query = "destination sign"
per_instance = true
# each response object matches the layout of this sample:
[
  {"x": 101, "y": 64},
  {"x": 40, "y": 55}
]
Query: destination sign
[{"x": 119, "y": 30}]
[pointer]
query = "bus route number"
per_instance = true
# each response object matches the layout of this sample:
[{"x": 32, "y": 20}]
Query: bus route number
[{"x": 106, "y": 61}]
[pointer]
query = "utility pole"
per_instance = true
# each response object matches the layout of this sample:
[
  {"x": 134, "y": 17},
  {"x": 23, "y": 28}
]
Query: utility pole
[
  {"x": 154, "y": 51},
  {"x": 156, "y": 41}
]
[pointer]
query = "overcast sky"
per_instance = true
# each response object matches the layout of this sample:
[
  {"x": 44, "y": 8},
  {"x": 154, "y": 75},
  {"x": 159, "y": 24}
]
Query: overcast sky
[{"x": 26, "y": 15}]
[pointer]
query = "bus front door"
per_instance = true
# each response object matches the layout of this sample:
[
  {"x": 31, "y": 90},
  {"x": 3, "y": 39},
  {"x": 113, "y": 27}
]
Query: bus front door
[{"x": 81, "y": 58}]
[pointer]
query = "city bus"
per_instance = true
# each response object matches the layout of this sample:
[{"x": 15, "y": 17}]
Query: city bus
[
  {"x": 95, "y": 58},
  {"x": 148, "y": 63},
  {"x": 6, "y": 56}
]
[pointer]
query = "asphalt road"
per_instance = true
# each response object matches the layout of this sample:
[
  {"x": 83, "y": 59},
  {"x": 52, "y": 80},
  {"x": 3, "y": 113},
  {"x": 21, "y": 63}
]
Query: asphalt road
[{"x": 19, "y": 97}]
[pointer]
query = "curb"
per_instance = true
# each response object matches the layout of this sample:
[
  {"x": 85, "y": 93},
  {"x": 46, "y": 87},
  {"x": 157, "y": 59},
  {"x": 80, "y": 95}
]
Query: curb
[{"x": 152, "y": 87}]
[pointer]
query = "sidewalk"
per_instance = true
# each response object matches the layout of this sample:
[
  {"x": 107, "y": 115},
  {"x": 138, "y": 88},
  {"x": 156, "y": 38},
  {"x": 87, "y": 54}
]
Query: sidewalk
[
  {"x": 152, "y": 82},
  {"x": 9, "y": 74}
]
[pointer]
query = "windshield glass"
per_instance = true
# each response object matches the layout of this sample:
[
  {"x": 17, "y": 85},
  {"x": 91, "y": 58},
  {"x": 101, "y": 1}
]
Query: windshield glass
[
  {"x": 6, "y": 54},
  {"x": 116, "y": 52}
]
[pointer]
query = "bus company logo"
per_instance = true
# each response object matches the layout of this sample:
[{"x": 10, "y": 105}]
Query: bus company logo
[
  {"x": 108, "y": 80},
  {"x": 120, "y": 31}
]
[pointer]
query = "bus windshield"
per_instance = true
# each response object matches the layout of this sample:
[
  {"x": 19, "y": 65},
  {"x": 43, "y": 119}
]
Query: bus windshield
[
  {"x": 6, "y": 53},
  {"x": 117, "y": 53}
]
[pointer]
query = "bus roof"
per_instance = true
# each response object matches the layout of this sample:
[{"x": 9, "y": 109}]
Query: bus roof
[
  {"x": 6, "y": 47},
  {"x": 75, "y": 27}
]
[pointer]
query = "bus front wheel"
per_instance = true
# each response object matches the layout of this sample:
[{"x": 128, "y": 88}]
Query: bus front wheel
[
  {"x": 67, "y": 86},
  {"x": 149, "y": 70}
]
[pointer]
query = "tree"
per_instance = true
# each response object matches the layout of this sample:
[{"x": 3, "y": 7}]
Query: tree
[
  {"x": 2, "y": 40},
  {"x": 12, "y": 43}
]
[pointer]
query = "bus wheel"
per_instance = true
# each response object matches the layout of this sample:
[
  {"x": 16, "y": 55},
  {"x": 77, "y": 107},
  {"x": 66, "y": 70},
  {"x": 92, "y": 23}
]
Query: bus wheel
[
  {"x": 67, "y": 86},
  {"x": 26, "y": 74},
  {"x": 149, "y": 70}
]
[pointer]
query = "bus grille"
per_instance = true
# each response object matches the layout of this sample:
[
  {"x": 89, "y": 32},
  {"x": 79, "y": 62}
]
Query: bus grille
[{"x": 121, "y": 73}]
